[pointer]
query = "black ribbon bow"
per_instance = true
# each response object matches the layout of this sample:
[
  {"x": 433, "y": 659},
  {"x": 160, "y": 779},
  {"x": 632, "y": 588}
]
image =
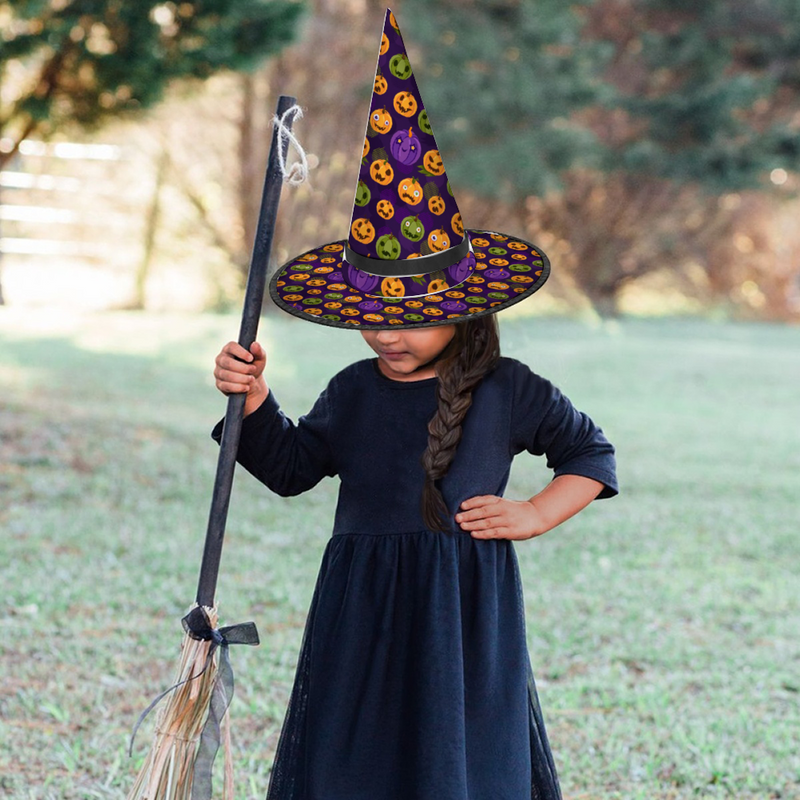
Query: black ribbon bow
[{"x": 198, "y": 626}]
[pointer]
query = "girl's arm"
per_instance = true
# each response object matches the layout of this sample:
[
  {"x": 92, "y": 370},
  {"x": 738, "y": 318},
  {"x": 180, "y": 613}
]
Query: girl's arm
[
  {"x": 288, "y": 457},
  {"x": 544, "y": 422},
  {"x": 561, "y": 499}
]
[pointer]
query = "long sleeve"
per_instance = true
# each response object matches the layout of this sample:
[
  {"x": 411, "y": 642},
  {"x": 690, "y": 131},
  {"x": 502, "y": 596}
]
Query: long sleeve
[
  {"x": 544, "y": 422},
  {"x": 289, "y": 458}
]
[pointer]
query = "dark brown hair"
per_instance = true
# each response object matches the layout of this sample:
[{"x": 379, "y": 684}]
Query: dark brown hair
[{"x": 468, "y": 357}]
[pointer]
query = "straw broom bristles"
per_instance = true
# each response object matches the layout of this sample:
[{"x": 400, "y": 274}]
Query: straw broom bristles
[{"x": 167, "y": 772}]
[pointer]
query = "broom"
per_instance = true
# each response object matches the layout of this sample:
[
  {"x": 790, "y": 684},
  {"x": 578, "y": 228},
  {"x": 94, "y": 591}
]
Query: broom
[{"x": 195, "y": 714}]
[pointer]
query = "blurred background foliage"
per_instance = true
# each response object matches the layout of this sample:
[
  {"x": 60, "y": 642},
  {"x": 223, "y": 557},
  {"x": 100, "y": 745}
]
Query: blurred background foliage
[{"x": 650, "y": 147}]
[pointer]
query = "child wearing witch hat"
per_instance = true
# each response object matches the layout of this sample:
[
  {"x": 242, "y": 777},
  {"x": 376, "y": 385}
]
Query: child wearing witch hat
[{"x": 414, "y": 678}]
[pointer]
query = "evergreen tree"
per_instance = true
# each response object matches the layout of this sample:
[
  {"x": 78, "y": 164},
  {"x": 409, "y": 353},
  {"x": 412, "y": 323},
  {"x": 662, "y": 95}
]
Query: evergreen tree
[
  {"x": 712, "y": 90},
  {"x": 83, "y": 61}
]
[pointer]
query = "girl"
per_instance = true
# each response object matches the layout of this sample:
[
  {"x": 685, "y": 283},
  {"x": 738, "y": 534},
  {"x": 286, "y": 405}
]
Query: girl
[{"x": 414, "y": 680}]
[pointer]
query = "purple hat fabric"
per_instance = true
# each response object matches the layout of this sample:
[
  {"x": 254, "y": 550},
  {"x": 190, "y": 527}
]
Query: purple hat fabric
[
  {"x": 408, "y": 259},
  {"x": 403, "y": 204}
]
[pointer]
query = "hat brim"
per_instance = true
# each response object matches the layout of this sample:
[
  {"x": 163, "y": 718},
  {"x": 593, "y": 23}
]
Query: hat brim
[{"x": 312, "y": 287}]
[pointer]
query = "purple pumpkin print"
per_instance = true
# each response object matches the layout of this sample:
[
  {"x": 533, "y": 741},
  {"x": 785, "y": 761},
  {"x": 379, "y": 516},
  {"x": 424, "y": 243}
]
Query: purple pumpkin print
[
  {"x": 362, "y": 281},
  {"x": 461, "y": 271},
  {"x": 453, "y": 305},
  {"x": 497, "y": 274},
  {"x": 371, "y": 305},
  {"x": 405, "y": 147}
]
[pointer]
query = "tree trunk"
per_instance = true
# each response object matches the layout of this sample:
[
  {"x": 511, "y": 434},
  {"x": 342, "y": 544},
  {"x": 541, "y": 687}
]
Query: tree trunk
[{"x": 151, "y": 228}]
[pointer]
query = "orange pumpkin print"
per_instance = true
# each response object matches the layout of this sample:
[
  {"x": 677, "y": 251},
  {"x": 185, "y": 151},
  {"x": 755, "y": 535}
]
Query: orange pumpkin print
[
  {"x": 405, "y": 103},
  {"x": 380, "y": 86},
  {"x": 457, "y": 224},
  {"x": 437, "y": 286},
  {"x": 384, "y": 44},
  {"x": 433, "y": 312},
  {"x": 385, "y": 209},
  {"x": 366, "y": 148},
  {"x": 380, "y": 120},
  {"x": 517, "y": 246},
  {"x": 410, "y": 191},
  {"x": 436, "y": 205},
  {"x": 333, "y": 248},
  {"x": 432, "y": 162},
  {"x": 438, "y": 240},
  {"x": 381, "y": 172},
  {"x": 392, "y": 287},
  {"x": 363, "y": 230}
]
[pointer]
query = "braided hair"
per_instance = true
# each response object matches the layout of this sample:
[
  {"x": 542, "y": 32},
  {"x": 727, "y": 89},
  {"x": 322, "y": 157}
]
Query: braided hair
[{"x": 472, "y": 352}]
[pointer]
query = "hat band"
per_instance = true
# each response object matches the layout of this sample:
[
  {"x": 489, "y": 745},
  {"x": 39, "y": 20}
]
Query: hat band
[{"x": 399, "y": 268}]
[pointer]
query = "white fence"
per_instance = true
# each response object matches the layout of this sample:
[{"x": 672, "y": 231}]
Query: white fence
[{"x": 71, "y": 224}]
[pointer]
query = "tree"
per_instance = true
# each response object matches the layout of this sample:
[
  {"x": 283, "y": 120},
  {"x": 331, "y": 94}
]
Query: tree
[{"x": 85, "y": 61}]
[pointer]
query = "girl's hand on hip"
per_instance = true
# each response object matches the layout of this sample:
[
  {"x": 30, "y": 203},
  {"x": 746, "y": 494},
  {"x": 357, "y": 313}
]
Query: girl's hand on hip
[{"x": 491, "y": 517}]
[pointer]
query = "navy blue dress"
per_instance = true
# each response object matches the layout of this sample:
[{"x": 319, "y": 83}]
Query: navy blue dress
[{"x": 414, "y": 680}]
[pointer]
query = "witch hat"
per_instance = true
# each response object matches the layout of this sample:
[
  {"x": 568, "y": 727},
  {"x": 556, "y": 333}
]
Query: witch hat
[{"x": 408, "y": 260}]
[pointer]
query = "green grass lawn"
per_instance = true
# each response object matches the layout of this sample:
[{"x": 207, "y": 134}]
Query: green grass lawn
[{"x": 663, "y": 624}]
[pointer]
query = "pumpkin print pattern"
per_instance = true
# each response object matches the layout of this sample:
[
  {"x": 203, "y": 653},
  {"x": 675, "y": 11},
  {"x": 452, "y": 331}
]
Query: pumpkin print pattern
[
  {"x": 402, "y": 168},
  {"x": 340, "y": 296}
]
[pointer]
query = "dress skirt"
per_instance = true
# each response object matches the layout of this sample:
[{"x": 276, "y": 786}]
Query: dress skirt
[{"x": 414, "y": 680}]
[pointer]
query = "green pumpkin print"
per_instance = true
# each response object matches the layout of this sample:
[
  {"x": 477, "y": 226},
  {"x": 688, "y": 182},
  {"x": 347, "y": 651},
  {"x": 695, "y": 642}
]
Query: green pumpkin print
[
  {"x": 400, "y": 66},
  {"x": 412, "y": 229},
  {"x": 363, "y": 194},
  {"x": 423, "y": 121},
  {"x": 498, "y": 251},
  {"x": 388, "y": 247}
]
